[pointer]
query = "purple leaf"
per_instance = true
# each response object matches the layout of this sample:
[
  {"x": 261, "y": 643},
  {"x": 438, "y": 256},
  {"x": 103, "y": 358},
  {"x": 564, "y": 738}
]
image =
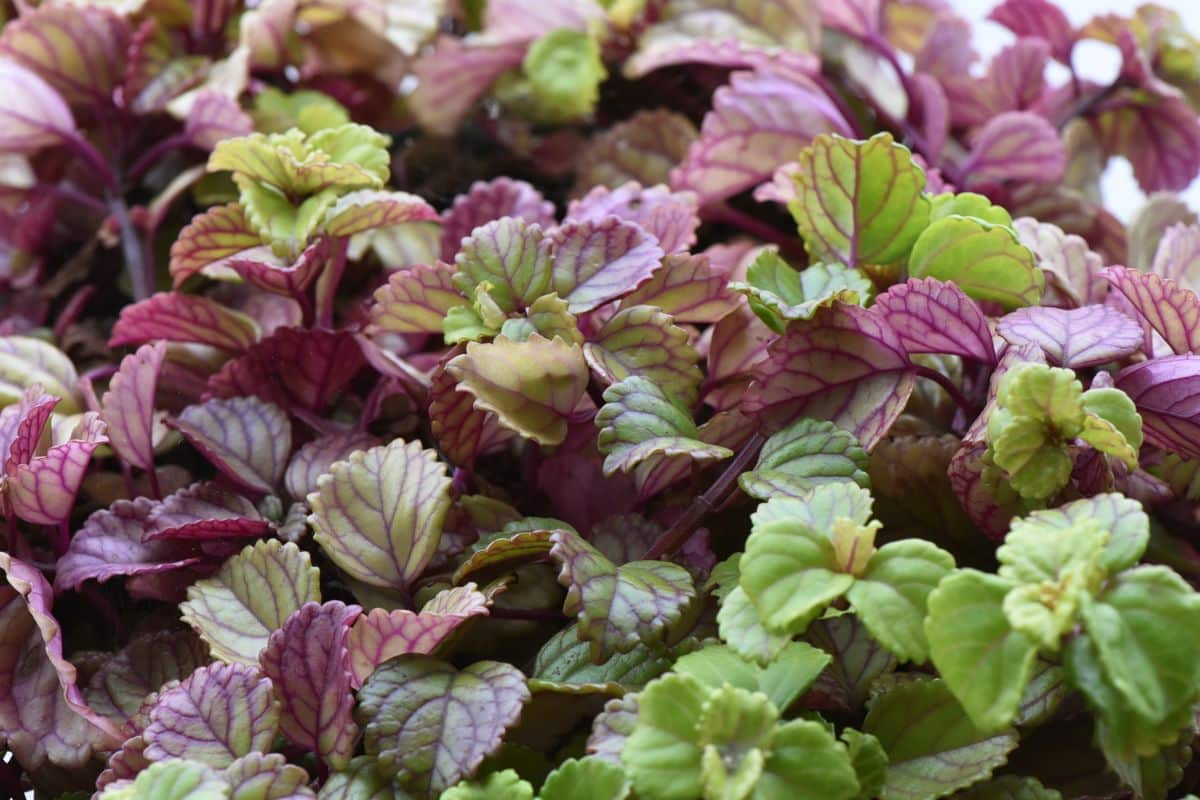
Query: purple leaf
[
  {"x": 463, "y": 431},
  {"x": 1074, "y": 338},
  {"x": 642, "y": 148},
  {"x": 1017, "y": 146},
  {"x": 125, "y": 763},
  {"x": 415, "y": 300},
  {"x": 1170, "y": 309},
  {"x": 670, "y": 217},
  {"x": 687, "y": 288},
  {"x": 214, "y": 117},
  {"x": 1159, "y": 135},
  {"x": 845, "y": 365},
  {"x": 32, "y": 114},
  {"x": 128, "y": 405},
  {"x": 738, "y": 346},
  {"x": 935, "y": 118},
  {"x": 260, "y": 267},
  {"x": 315, "y": 458},
  {"x": 205, "y": 511},
  {"x": 1016, "y": 77},
  {"x": 455, "y": 74},
  {"x": 267, "y": 777},
  {"x": 474, "y": 705},
  {"x": 381, "y": 635},
  {"x": 42, "y": 490},
  {"x": 758, "y": 122},
  {"x": 1177, "y": 255},
  {"x": 930, "y": 316},
  {"x": 612, "y": 727},
  {"x": 308, "y": 662},
  {"x": 113, "y": 542},
  {"x": 118, "y": 689},
  {"x": 1070, "y": 265},
  {"x": 292, "y": 367},
  {"x": 1166, "y": 392},
  {"x": 180, "y": 317},
  {"x": 246, "y": 438},
  {"x": 488, "y": 201},
  {"x": 598, "y": 261},
  {"x": 1040, "y": 19},
  {"x": 216, "y": 715}
]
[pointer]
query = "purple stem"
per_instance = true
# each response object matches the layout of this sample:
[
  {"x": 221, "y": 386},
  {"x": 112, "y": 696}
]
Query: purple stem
[
  {"x": 151, "y": 156},
  {"x": 60, "y": 538},
  {"x": 139, "y": 267},
  {"x": 955, "y": 393},
  {"x": 722, "y": 212},
  {"x": 89, "y": 154},
  {"x": 327, "y": 284}
]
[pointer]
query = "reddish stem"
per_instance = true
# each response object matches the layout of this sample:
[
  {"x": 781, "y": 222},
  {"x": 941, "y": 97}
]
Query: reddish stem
[
  {"x": 151, "y": 156},
  {"x": 722, "y": 212},
  {"x": 955, "y": 393}
]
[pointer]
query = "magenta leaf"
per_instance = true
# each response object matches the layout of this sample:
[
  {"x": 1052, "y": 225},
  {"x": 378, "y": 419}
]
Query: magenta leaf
[
  {"x": 42, "y": 488},
  {"x": 292, "y": 367},
  {"x": 260, "y": 267},
  {"x": 1170, "y": 309},
  {"x": 205, "y": 511},
  {"x": 316, "y": 457},
  {"x": 488, "y": 201},
  {"x": 308, "y": 662},
  {"x": 598, "y": 261},
  {"x": 474, "y": 705},
  {"x": 415, "y": 300},
  {"x": 246, "y": 438},
  {"x": 1159, "y": 135},
  {"x": 1166, "y": 392},
  {"x": 213, "y": 117},
  {"x": 688, "y": 288},
  {"x": 930, "y": 316},
  {"x": 118, "y": 689},
  {"x": 179, "y": 317},
  {"x": 1071, "y": 267},
  {"x": 1040, "y": 19},
  {"x": 381, "y": 635},
  {"x": 463, "y": 431},
  {"x": 32, "y": 114},
  {"x": 737, "y": 347},
  {"x": 670, "y": 217},
  {"x": 113, "y": 542},
  {"x": 455, "y": 74},
  {"x": 216, "y": 715},
  {"x": 128, "y": 405},
  {"x": 845, "y": 365},
  {"x": 1074, "y": 338},
  {"x": 267, "y": 777},
  {"x": 1016, "y": 146}
]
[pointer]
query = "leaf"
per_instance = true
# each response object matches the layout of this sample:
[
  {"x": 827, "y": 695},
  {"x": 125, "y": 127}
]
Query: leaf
[
  {"x": 184, "y": 318},
  {"x": 532, "y": 386},
  {"x": 611, "y": 728},
  {"x": 26, "y": 361},
  {"x": 804, "y": 454},
  {"x": 643, "y": 341},
  {"x": 742, "y": 628},
  {"x": 618, "y": 607},
  {"x": 502, "y": 554},
  {"x": 381, "y": 635},
  {"x": 783, "y": 680},
  {"x": 1016, "y": 146},
  {"x": 931, "y": 316},
  {"x": 172, "y": 779},
  {"x": 414, "y": 300},
  {"x": 267, "y": 777},
  {"x": 454, "y": 75},
  {"x": 1168, "y": 241},
  {"x": 204, "y": 511},
  {"x": 1127, "y": 525},
  {"x": 598, "y": 261},
  {"x": 289, "y": 275},
  {"x": 315, "y": 458},
  {"x": 890, "y": 597},
  {"x": 378, "y": 515},
  {"x": 511, "y": 257},
  {"x": 859, "y": 203},
  {"x": 247, "y": 439},
  {"x": 779, "y": 294},
  {"x": 43, "y": 490},
  {"x": 670, "y": 217},
  {"x": 214, "y": 716},
  {"x": 807, "y": 762},
  {"x": 1009, "y": 787},
  {"x": 127, "y": 408},
  {"x": 1165, "y": 391},
  {"x": 1159, "y": 135},
  {"x": 687, "y": 287},
  {"x": 463, "y": 431},
  {"x": 308, "y": 662},
  {"x": 213, "y": 117},
  {"x": 32, "y": 114},
  {"x": 396, "y": 703},
  {"x": 564, "y": 665},
  {"x": 118, "y": 689},
  {"x": 758, "y": 121},
  {"x": 984, "y": 661},
  {"x": 1170, "y": 309},
  {"x": 643, "y": 148},
  {"x": 361, "y": 781},
  {"x": 251, "y": 596},
  {"x": 367, "y": 209},
  {"x": 844, "y": 365},
  {"x": 988, "y": 262},
  {"x": 208, "y": 242},
  {"x": 588, "y": 778},
  {"x": 1040, "y": 19},
  {"x": 939, "y": 753},
  {"x": 503, "y": 785},
  {"x": 490, "y": 200},
  {"x": 564, "y": 69},
  {"x": 1074, "y": 338}
]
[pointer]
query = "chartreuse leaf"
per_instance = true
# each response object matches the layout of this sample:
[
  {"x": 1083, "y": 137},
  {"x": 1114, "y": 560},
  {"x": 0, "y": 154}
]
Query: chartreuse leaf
[
  {"x": 870, "y": 762},
  {"x": 783, "y": 680},
  {"x": 378, "y": 515},
  {"x": 402, "y": 697},
  {"x": 564, "y": 70},
  {"x": 933, "y": 748},
  {"x": 643, "y": 341},
  {"x": 1009, "y": 787},
  {"x": 510, "y": 255},
  {"x": 503, "y": 785},
  {"x": 618, "y": 607},
  {"x": 778, "y": 293},
  {"x": 26, "y": 361},
  {"x": 804, "y": 454},
  {"x": 1127, "y": 525},
  {"x": 588, "y": 778},
  {"x": 253, "y": 594},
  {"x": 171, "y": 779},
  {"x": 986, "y": 261},
  {"x": 859, "y": 203},
  {"x": 968, "y": 204}
]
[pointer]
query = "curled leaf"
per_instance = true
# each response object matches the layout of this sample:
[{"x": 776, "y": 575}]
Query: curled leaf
[
  {"x": 246, "y": 438},
  {"x": 128, "y": 405},
  {"x": 180, "y": 317}
]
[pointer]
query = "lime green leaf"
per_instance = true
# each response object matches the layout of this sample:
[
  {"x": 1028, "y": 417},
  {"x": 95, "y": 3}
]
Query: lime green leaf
[
  {"x": 359, "y": 145},
  {"x": 819, "y": 508},
  {"x": 807, "y": 763},
  {"x": 869, "y": 760},
  {"x": 933, "y": 748},
  {"x": 310, "y": 111},
  {"x": 564, "y": 664},
  {"x": 778, "y": 293},
  {"x": 296, "y": 166},
  {"x": 859, "y": 202},
  {"x": 982, "y": 659},
  {"x": 171, "y": 779},
  {"x": 532, "y": 386},
  {"x": 463, "y": 324},
  {"x": 988, "y": 262},
  {"x": 208, "y": 242},
  {"x": 783, "y": 680},
  {"x": 643, "y": 341},
  {"x": 742, "y": 629},
  {"x": 252, "y": 595},
  {"x": 662, "y": 754},
  {"x": 548, "y": 316},
  {"x": 512, "y": 256},
  {"x": 503, "y": 785},
  {"x": 1116, "y": 408},
  {"x": 286, "y": 226},
  {"x": 734, "y": 729},
  {"x": 1127, "y": 525},
  {"x": 378, "y": 515},
  {"x": 588, "y": 778},
  {"x": 890, "y": 597},
  {"x": 565, "y": 71},
  {"x": 1009, "y": 787},
  {"x": 968, "y": 204}
]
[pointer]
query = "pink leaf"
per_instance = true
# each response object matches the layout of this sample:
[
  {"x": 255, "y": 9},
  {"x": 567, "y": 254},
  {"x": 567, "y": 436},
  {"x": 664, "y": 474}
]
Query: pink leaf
[
  {"x": 1017, "y": 146},
  {"x": 595, "y": 262},
  {"x": 935, "y": 116},
  {"x": 368, "y": 209},
  {"x": 128, "y": 405},
  {"x": 1038, "y": 18},
  {"x": 23, "y": 426},
  {"x": 845, "y": 365},
  {"x": 1159, "y": 135},
  {"x": 246, "y": 438},
  {"x": 120, "y": 687},
  {"x": 1074, "y": 338},
  {"x": 463, "y": 431},
  {"x": 32, "y": 114},
  {"x": 315, "y": 458},
  {"x": 490, "y": 200},
  {"x": 204, "y": 511},
  {"x": 309, "y": 664},
  {"x": 43, "y": 490},
  {"x": 688, "y": 288},
  {"x": 1166, "y": 392},
  {"x": 179, "y": 317},
  {"x": 1177, "y": 256},
  {"x": 262, "y": 268},
  {"x": 642, "y": 148},
  {"x": 455, "y": 74},
  {"x": 758, "y": 122},
  {"x": 930, "y": 316},
  {"x": 670, "y": 217},
  {"x": 1171, "y": 310},
  {"x": 738, "y": 345},
  {"x": 214, "y": 117}
]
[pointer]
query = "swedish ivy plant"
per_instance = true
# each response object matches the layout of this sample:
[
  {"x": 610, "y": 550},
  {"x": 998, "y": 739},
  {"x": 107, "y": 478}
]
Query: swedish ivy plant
[{"x": 595, "y": 400}]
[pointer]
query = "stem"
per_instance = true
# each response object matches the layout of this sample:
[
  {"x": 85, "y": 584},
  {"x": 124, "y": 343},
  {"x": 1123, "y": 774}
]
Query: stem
[
  {"x": 148, "y": 158},
  {"x": 1086, "y": 104},
  {"x": 955, "y": 393},
  {"x": 71, "y": 311},
  {"x": 139, "y": 267},
  {"x": 127, "y": 474},
  {"x": 722, "y": 487},
  {"x": 74, "y": 195},
  {"x": 152, "y": 476},
  {"x": 89, "y": 154},
  {"x": 327, "y": 284},
  {"x": 842, "y": 106},
  {"x": 722, "y": 212},
  {"x": 60, "y": 538}
]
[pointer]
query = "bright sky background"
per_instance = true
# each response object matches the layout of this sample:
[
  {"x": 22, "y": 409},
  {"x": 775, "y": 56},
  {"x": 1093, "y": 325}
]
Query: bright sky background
[{"x": 1092, "y": 60}]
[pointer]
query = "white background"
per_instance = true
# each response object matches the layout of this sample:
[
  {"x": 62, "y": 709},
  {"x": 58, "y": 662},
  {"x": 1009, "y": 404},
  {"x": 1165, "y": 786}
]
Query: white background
[{"x": 1092, "y": 60}]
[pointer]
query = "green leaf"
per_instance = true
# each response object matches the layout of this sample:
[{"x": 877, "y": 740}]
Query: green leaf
[
  {"x": 1124, "y": 424},
  {"x": 360, "y": 145},
  {"x": 870, "y": 762},
  {"x": 890, "y": 597},
  {"x": 968, "y": 204},
  {"x": 510, "y": 255},
  {"x": 933, "y": 747},
  {"x": 783, "y": 680},
  {"x": 819, "y": 508},
  {"x": 25, "y": 361},
  {"x": 588, "y": 778},
  {"x": 564, "y": 664},
  {"x": 463, "y": 324},
  {"x": 503, "y": 785},
  {"x": 1009, "y": 787},
  {"x": 1127, "y": 525},
  {"x": 643, "y": 341},
  {"x": 172, "y": 779},
  {"x": 548, "y": 316},
  {"x": 778, "y": 293},
  {"x": 662, "y": 754},
  {"x": 734, "y": 730},
  {"x": 361, "y": 781},
  {"x": 983, "y": 660},
  {"x": 859, "y": 203},
  {"x": 742, "y": 629},
  {"x": 806, "y": 453},
  {"x": 565, "y": 70},
  {"x": 807, "y": 763},
  {"x": 988, "y": 262},
  {"x": 1044, "y": 693}
]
